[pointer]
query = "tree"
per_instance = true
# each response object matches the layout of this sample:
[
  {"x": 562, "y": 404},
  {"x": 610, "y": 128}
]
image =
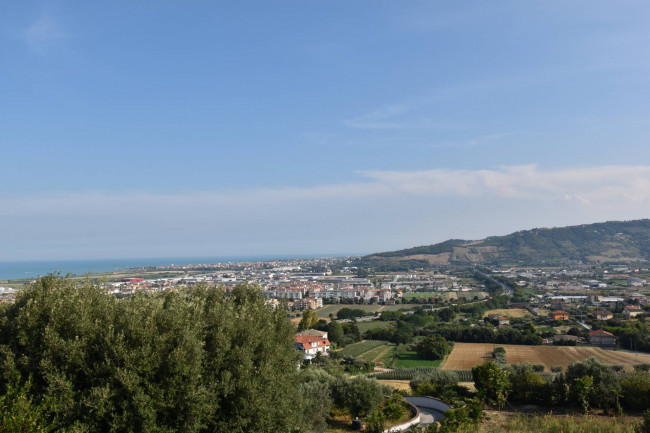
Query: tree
[
  {"x": 636, "y": 390},
  {"x": 446, "y": 314},
  {"x": 309, "y": 320},
  {"x": 492, "y": 382},
  {"x": 315, "y": 403},
  {"x": 359, "y": 395},
  {"x": 189, "y": 361},
  {"x": 433, "y": 348},
  {"x": 584, "y": 387},
  {"x": 18, "y": 413},
  {"x": 335, "y": 332},
  {"x": 604, "y": 380},
  {"x": 528, "y": 386}
]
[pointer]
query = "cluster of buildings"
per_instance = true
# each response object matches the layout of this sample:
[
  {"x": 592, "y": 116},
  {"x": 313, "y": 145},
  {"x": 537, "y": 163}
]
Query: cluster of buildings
[{"x": 7, "y": 295}]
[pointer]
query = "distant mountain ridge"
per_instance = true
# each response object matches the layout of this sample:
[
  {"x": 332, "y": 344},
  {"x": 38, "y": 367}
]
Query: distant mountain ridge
[{"x": 607, "y": 242}]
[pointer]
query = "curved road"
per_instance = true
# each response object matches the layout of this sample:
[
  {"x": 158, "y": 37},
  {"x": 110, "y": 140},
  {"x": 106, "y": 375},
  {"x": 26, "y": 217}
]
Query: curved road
[{"x": 429, "y": 416}]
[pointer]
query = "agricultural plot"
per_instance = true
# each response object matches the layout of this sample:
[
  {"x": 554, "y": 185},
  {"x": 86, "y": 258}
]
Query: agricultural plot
[
  {"x": 364, "y": 349},
  {"x": 370, "y": 309},
  {"x": 409, "y": 359},
  {"x": 467, "y": 355},
  {"x": 564, "y": 355},
  {"x": 464, "y": 356},
  {"x": 372, "y": 324},
  {"x": 513, "y": 313}
]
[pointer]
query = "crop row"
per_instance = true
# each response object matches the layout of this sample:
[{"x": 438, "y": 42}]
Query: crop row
[
  {"x": 412, "y": 373},
  {"x": 357, "y": 349}
]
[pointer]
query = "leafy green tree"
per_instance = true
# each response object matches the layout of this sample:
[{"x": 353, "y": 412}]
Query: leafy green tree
[
  {"x": 335, "y": 332},
  {"x": 358, "y": 395},
  {"x": 605, "y": 379},
  {"x": 584, "y": 387},
  {"x": 635, "y": 388},
  {"x": 433, "y": 348},
  {"x": 315, "y": 402},
  {"x": 492, "y": 382},
  {"x": 446, "y": 314},
  {"x": 309, "y": 320},
  {"x": 18, "y": 413},
  {"x": 188, "y": 361},
  {"x": 528, "y": 386}
]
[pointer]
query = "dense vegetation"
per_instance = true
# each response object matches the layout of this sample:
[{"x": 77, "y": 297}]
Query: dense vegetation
[
  {"x": 76, "y": 359},
  {"x": 440, "y": 323},
  {"x": 604, "y": 242}
]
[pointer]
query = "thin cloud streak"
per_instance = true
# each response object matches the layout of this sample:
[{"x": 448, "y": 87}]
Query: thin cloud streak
[
  {"x": 525, "y": 182},
  {"x": 44, "y": 32},
  {"x": 418, "y": 206}
]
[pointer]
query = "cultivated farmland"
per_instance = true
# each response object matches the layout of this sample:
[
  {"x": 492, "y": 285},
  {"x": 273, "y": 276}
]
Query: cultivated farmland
[
  {"x": 513, "y": 313},
  {"x": 564, "y": 355},
  {"x": 466, "y": 355}
]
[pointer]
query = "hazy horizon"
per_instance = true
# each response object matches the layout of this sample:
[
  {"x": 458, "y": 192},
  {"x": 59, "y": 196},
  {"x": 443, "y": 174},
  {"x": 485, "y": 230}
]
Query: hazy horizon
[{"x": 256, "y": 128}]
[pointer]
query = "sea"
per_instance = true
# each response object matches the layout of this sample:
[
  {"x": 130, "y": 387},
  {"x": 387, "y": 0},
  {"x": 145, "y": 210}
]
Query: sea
[{"x": 33, "y": 269}]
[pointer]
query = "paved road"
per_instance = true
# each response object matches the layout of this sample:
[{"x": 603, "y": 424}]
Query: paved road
[
  {"x": 507, "y": 290},
  {"x": 429, "y": 416}
]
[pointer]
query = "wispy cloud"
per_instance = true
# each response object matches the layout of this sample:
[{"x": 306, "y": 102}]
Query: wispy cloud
[
  {"x": 526, "y": 182},
  {"x": 586, "y": 185},
  {"x": 44, "y": 32},
  {"x": 489, "y": 139},
  {"x": 381, "y": 118},
  {"x": 419, "y": 206}
]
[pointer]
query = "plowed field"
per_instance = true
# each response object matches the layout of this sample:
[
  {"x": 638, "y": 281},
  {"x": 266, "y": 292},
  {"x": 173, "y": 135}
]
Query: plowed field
[{"x": 466, "y": 355}]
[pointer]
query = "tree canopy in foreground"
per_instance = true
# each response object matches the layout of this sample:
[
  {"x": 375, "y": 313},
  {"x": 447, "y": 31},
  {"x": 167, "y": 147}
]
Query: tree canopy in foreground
[{"x": 192, "y": 361}]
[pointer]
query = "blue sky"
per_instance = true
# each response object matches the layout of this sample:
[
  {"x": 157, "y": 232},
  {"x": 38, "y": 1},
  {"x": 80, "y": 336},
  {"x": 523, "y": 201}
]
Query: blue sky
[{"x": 133, "y": 129}]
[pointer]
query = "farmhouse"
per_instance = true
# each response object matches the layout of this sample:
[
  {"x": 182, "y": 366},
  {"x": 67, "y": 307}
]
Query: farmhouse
[
  {"x": 602, "y": 338},
  {"x": 310, "y": 346},
  {"x": 603, "y": 315},
  {"x": 558, "y": 315},
  {"x": 632, "y": 311},
  {"x": 558, "y": 339}
]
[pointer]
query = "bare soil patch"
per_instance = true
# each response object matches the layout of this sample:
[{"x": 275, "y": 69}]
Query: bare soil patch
[
  {"x": 467, "y": 355},
  {"x": 514, "y": 313}
]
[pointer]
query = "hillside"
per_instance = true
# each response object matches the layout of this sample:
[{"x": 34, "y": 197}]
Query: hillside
[{"x": 608, "y": 242}]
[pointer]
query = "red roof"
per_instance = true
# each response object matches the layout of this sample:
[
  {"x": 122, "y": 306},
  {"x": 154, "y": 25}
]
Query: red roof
[
  {"x": 600, "y": 331},
  {"x": 307, "y": 340}
]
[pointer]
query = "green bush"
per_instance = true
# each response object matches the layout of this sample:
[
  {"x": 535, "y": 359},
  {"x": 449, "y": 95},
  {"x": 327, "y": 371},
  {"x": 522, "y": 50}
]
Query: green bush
[{"x": 189, "y": 361}]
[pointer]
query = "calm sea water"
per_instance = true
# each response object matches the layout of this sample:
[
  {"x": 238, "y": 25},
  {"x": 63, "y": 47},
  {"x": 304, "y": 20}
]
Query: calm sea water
[{"x": 15, "y": 270}]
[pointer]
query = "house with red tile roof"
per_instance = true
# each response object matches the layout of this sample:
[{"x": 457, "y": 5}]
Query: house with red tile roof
[
  {"x": 559, "y": 315},
  {"x": 602, "y": 338},
  {"x": 311, "y": 345}
]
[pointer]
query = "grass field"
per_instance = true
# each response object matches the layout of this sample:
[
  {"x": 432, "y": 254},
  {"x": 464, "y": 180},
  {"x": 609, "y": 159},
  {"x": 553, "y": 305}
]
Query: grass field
[
  {"x": 409, "y": 359},
  {"x": 370, "y": 309},
  {"x": 361, "y": 349},
  {"x": 504, "y": 421},
  {"x": 513, "y": 313},
  {"x": 372, "y": 324},
  {"x": 466, "y": 355}
]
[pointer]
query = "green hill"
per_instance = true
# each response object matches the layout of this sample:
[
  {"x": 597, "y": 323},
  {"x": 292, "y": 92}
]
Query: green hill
[{"x": 608, "y": 242}]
